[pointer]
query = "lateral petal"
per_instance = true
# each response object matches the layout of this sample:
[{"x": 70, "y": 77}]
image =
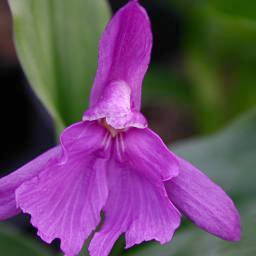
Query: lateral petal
[
  {"x": 137, "y": 206},
  {"x": 11, "y": 182},
  {"x": 204, "y": 202},
  {"x": 124, "y": 52}
]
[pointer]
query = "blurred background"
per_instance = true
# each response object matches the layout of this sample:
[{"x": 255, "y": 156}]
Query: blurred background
[{"x": 199, "y": 94}]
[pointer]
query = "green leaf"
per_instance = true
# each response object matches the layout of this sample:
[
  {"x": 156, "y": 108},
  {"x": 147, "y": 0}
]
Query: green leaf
[
  {"x": 57, "y": 46},
  {"x": 13, "y": 243}
]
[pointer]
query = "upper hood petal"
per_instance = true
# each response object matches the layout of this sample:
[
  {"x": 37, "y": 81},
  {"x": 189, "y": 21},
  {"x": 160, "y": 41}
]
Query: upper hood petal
[{"x": 124, "y": 52}]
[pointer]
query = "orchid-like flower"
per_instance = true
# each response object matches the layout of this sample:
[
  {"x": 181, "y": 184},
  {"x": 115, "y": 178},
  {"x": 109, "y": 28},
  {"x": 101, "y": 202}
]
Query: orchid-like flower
[{"x": 112, "y": 163}]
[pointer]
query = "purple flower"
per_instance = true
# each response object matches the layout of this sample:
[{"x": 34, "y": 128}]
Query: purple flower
[{"x": 111, "y": 162}]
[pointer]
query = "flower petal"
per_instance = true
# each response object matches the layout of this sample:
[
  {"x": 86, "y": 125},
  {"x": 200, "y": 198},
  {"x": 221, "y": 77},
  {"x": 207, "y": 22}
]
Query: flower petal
[
  {"x": 82, "y": 137},
  {"x": 146, "y": 151},
  {"x": 65, "y": 199},
  {"x": 138, "y": 206},
  {"x": 204, "y": 202},
  {"x": 11, "y": 182},
  {"x": 115, "y": 107},
  {"x": 124, "y": 52}
]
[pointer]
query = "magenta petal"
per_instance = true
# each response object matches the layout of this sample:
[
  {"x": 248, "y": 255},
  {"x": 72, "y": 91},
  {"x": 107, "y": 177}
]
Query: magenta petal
[
  {"x": 124, "y": 52},
  {"x": 137, "y": 206},
  {"x": 9, "y": 183},
  {"x": 65, "y": 200},
  {"x": 82, "y": 137},
  {"x": 146, "y": 151},
  {"x": 204, "y": 202}
]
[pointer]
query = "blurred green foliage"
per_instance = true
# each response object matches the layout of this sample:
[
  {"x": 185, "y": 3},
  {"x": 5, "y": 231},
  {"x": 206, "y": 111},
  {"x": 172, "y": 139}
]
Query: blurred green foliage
[
  {"x": 219, "y": 58},
  {"x": 14, "y": 242},
  {"x": 57, "y": 45}
]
